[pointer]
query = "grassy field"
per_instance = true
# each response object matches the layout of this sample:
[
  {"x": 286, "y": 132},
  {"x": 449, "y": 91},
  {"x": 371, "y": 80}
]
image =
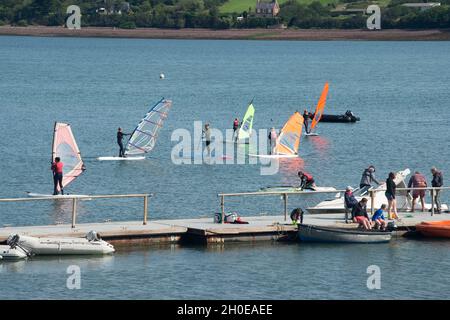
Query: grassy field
[{"x": 242, "y": 5}]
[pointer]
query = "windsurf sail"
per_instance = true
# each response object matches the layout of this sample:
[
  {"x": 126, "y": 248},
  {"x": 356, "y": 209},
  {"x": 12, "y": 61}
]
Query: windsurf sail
[
  {"x": 65, "y": 147},
  {"x": 320, "y": 106},
  {"x": 247, "y": 123},
  {"x": 289, "y": 139},
  {"x": 143, "y": 138}
]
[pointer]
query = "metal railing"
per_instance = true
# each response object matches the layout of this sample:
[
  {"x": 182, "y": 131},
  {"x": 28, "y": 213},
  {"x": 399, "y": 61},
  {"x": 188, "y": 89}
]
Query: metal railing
[
  {"x": 75, "y": 200},
  {"x": 372, "y": 193}
]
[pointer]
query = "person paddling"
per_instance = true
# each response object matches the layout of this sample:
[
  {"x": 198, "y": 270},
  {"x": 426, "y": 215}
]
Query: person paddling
[
  {"x": 306, "y": 117},
  {"x": 57, "y": 168},
  {"x": 120, "y": 136},
  {"x": 307, "y": 181},
  {"x": 273, "y": 140}
]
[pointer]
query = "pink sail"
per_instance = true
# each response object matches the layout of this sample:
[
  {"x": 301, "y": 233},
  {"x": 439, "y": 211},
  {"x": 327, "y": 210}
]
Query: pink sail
[{"x": 65, "y": 147}]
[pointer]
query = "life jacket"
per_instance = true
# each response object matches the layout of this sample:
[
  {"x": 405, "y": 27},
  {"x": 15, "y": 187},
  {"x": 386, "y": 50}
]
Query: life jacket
[
  {"x": 307, "y": 176},
  {"x": 57, "y": 167},
  {"x": 273, "y": 135},
  {"x": 236, "y": 123}
]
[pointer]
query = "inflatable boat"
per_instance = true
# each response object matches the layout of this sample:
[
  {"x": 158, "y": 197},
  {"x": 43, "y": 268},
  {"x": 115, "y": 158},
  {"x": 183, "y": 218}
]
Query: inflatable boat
[
  {"x": 347, "y": 117},
  {"x": 434, "y": 229},
  {"x": 7, "y": 252}
]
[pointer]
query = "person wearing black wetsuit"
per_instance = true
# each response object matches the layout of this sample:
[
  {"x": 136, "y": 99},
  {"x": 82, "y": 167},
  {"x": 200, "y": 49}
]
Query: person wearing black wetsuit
[
  {"x": 120, "y": 136},
  {"x": 306, "y": 118}
]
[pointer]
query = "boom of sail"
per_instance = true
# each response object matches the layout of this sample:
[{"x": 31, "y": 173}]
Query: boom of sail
[{"x": 143, "y": 138}]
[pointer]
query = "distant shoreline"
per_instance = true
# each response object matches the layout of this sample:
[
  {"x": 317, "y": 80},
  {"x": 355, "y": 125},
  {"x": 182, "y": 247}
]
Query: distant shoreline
[{"x": 232, "y": 34}]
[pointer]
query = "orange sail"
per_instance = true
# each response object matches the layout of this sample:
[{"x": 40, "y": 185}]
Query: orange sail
[
  {"x": 320, "y": 106},
  {"x": 289, "y": 138}
]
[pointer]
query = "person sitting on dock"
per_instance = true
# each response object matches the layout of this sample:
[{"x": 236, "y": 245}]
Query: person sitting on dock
[
  {"x": 359, "y": 214},
  {"x": 417, "y": 180},
  {"x": 367, "y": 179},
  {"x": 235, "y": 128},
  {"x": 120, "y": 136},
  {"x": 57, "y": 168},
  {"x": 306, "y": 117},
  {"x": 273, "y": 140},
  {"x": 307, "y": 181},
  {"x": 378, "y": 218}
]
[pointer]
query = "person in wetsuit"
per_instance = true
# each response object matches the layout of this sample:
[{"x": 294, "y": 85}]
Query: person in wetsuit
[
  {"x": 57, "y": 168},
  {"x": 306, "y": 117},
  {"x": 307, "y": 180},
  {"x": 235, "y": 128},
  {"x": 120, "y": 136}
]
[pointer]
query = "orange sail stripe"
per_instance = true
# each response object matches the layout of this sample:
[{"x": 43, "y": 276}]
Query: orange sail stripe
[
  {"x": 320, "y": 106},
  {"x": 289, "y": 138}
]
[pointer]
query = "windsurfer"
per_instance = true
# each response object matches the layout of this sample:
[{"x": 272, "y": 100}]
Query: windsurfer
[
  {"x": 207, "y": 135},
  {"x": 120, "y": 136},
  {"x": 235, "y": 128},
  {"x": 273, "y": 140},
  {"x": 306, "y": 117},
  {"x": 307, "y": 180},
  {"x": 57, "y": 168}
]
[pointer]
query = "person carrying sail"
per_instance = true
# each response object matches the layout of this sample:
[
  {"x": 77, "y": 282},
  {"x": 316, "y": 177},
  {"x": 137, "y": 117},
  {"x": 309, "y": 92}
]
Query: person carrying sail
[
  {"x": 306, "y": 117},
  {"x": 57, "y": 168},
  {"x": 273, "y": 140},
  {"x": 307, "y": 181},
  {"x": 120, "y": 136},
  {"x": 235, "y": 128}
]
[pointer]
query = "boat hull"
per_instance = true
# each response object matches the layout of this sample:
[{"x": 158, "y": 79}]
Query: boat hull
[
  {"x": 434, "y": 229},
  {"x": 338, "y": 118},
  {"x": 309, "y": 233},
  {"x": 14, "y": 254}
]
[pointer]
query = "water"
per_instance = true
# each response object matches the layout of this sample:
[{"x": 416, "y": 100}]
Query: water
[{"x": 399, "y": 89}]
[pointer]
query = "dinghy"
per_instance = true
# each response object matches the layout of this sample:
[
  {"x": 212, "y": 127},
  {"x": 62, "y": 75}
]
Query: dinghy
[
  {"x": 347, "y": 117},
  {"x": 90, "y": 245},
  {"x": 7, "y": 252},
  {"x": 65, "y": 147},
  {"x": 310, "y": 233},
  {"x": 143, "y": 138},
  {"x": 288, "y": 141},
  {"x": 319, "y": 111},
  {"x": 432, "y": 229}
]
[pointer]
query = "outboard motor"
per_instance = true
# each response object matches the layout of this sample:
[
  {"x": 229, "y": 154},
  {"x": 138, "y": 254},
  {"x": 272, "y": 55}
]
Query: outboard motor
[
  {"x": 93, "y": 236},
  {"x": 391, "y": 226},
  {"x": 13, "y": 240}
]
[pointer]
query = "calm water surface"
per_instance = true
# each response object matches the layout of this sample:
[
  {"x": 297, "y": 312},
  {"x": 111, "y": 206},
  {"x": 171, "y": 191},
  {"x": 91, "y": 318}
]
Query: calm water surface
[{"x": 399, "y": 89}]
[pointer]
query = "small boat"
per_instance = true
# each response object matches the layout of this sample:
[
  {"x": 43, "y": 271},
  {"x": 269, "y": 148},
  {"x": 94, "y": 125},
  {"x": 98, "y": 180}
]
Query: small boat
[
  {"x": 143, "y": 138},
  {"x": 347, "y": 117},
  {"x": 90, "y": 245},
  {"x": 310, "y": 233},
  {"x": 16, "y": 253},
  {"x": 434, "y": 229}
]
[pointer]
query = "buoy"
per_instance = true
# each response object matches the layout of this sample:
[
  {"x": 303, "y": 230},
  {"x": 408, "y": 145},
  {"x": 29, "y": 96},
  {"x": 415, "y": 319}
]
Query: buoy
[{"x": 161, "y": 76}]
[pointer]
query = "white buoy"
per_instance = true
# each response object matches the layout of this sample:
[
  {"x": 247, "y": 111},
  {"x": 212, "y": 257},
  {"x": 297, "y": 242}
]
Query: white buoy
[{"x": 161, "y": 76}]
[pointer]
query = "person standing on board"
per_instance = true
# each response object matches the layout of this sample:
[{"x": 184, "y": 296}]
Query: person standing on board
[
  {"x": 207, "y": 135},
  {"x": 418, "y": 180},
  {"x": 367, "y": 179},
  {"x": 57, "y": 168},
  {"x": 390, "y": 195},
  {"x": 437, "y": 182},
  {"x": 306, "y": 117},
  {"x": 307, "y": 181},
  {"x": 235, "y": 128},
  {"x": 273, "y": 140},
  {"x": 120, "y": 136}
]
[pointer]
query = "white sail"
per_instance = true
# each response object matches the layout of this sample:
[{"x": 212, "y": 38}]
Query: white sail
[{"x": 144, "y": 137}]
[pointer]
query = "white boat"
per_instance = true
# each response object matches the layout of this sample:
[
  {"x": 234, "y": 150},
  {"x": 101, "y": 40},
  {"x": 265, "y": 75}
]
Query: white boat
[
  {"x": 288, "y": 141},
  {"x": 143, "y": 138},
  {"x": 65, "y": 147},
  {"x": 90, "y": 245},
  {"x": 403, "y": 199},
  {"x": 12, "y": 253},
  {"x": 295, "y": 189}
]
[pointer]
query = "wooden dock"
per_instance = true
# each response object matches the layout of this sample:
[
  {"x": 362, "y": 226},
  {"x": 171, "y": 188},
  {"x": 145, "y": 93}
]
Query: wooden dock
[{"x": 204, "y": 230}]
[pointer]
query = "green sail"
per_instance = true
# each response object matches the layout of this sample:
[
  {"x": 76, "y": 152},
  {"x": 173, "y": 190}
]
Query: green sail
[{"x": 247, "y": 123}]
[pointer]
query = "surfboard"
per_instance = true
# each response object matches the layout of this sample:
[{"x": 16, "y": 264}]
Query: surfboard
[
  {"x": 312, "y": 134},
  {"x": 120, "y": 158},
  {"x": 59, "y": 196},
  {"x": 273, "y": 156}
]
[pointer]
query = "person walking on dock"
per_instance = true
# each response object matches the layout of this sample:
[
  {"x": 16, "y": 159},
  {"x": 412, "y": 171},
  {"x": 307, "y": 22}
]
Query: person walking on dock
[
  {"x": 207, "y": 135},
  {"x": 367, "y": 178},
  {"x": 306, "y": 117},
  {"x": 273, "y": 136},
  {"x": 120, "y": 136},
  {"x": 390, "y": 195},
  {"x": 359, "y": 214},
  {"x": 418, "y": 180},
  {"x": 437, "y": 182},
  {"x": 57, "y": 168}
]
